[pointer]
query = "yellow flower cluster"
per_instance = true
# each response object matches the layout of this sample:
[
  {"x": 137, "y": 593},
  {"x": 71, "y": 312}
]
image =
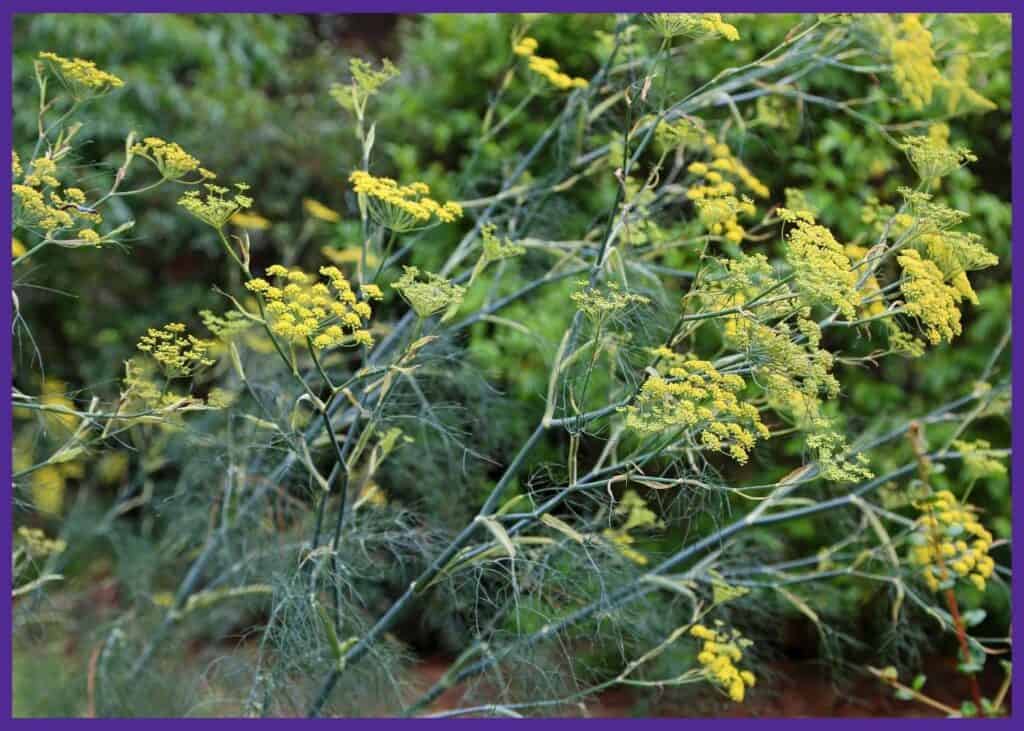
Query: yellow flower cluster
[
  {"x": 693, "y": 395},
  {"x": 170, "y": 159},
  {"x": 693, "y": 25},
  {"x": 716, "y": 194},
  {"x": 58, "y": 211},
  {"x": 871, "y": 302},
  {"x": 366, "y": 81},
  {"x": 720, "y": 215},
  {"x": 225, "y": 328},
  {"x": 598, "y": 303},
  {"x": 319, "y": 211},
  {"x": 979, "y": 461},
  {"x": 958, "y": 86},
  {"x": 44, "y": 173},
  {"x": 547, "y": 67},
  {"x": 178, "y": 354},
  {"x": 932, "y": 157},
  {"x": 909, "y": 45},
  {"x": 428, "y": 293},
  {"x": 81, "y": 77},
  {"x": 794, "y": 375},
  {"x": 301, "y": 307},
  {"x": 720, "y": 653},
  {"x": 723, "y": 165},
  {"x": 54, "y": 209},
  {"x": 251, "y": 221},
  {"x": 939, "y": 543},
  {"x": 37, "y": 545},
  {"x": 215, "y": 208},
  {"x": 822, "y": 270},
  {"x": 637, "y": 515},
  {"x": 742, "y": 280},
  {"x": 934, "y": 303},
  {"x": 401, "y": 207}
]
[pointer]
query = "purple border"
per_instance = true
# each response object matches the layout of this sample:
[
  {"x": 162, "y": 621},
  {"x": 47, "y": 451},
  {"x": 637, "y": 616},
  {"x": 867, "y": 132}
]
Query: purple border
[{"x": 412, "y": 6}]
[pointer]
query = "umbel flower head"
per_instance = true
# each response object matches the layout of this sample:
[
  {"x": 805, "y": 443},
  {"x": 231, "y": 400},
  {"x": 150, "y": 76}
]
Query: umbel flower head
[
  {"x": 546, "y": 68},
  {"x": 601, "y": 302},
  {"x": 909, "y": 45},
  {"x": 822, "y": 270},
  {"x": 302, "y": 308},
  {"x": 82, "y": 79},
  {"x": 934, "y": 303},
  {"x": 693, "y": 25},
  {"x": 692, "y": 395},
  {"x": 401, "y": 207},
  {"x": 216, "y": 207},
  {"x": 366, "y": 81},
  {"x": 948, "y": 543},
  {"x": 170, "y": 159},
  {"x": 720, "y": 654},
  {"x": 428, "y": 293},
  {"x": 177, "y": 353},
  {"x": 932, "y": 157}
]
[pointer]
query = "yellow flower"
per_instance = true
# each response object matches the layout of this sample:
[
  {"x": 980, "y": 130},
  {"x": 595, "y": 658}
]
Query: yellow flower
[
  {"x": 215, "y": 208},
  {"x": 938, "y": 547},
  {"x": 693, "y": 395},
  {"x": 694, "y": 25},
  {"x": 169, "y": 158},
  {"x": 325, "y": 312},
  {"x": 401, "y": 207},
  {"x": 17, "y": 248},
  {"x": 721, "y": 650},
  {"x": 251, "y": 221},
  {"x": 177, "y": 353},
  {"x": 428, "y": 293},
  {"x": 83, "y": 78},
  {"x": 320, "y": 211}
]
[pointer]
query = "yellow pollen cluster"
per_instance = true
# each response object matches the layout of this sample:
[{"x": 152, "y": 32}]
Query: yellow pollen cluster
[
  {"x": 179, "y": 354},
  {"x": 82, "y": 77},
  {"x": 402, "y": 207},
  {"x": 949, "y": 543},
  {"x": 169, "y": 158},
  {"x": 720, "y": 653},
  {"x": 693, "y": 25},
  {"x": 16, "y": 169},
  {"x": 301, "y": 307},
  {"x": 547, "y": 67},
  {"x": 693, "y": 395},
  {"x": 821, "y": 268},
  {"x": 215, "y": 208}
]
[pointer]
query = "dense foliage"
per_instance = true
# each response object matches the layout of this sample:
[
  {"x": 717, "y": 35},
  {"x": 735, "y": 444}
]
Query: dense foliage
[{"x": 583, "y": 351}]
